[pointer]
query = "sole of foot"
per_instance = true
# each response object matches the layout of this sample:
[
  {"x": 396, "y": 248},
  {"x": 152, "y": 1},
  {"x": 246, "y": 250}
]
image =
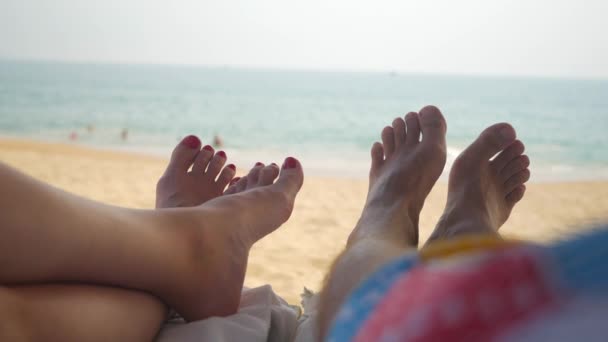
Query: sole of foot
[
  {"x": 483, "y": 191},
  {"x": 405, "y": 166},
  {"x": 193, "y": 176}
]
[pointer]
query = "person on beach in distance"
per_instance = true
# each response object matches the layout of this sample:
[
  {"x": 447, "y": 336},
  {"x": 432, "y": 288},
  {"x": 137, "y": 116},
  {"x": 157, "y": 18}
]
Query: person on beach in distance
[
  {"x": 193, "y": 259},
  {"x": 217, "y": 141},
  {"x": 73, "y": 136},
  {"x": 124, "y": 134}
]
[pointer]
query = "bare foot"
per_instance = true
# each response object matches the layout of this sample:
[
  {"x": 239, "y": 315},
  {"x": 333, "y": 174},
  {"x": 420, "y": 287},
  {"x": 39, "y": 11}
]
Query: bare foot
[
  {"x": 179, "y": 187},
  {"x": 218, "y": 235},
  {"x": 482, "y": 192},
  {"x": 404, "y": 169}
]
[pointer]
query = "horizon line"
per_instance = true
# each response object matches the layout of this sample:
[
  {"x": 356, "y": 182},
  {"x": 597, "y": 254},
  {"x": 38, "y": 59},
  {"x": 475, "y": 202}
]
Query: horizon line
[{"x": 306, "y": 69}]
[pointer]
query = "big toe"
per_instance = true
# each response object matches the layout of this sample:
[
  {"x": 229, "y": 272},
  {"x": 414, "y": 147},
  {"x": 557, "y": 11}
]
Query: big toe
[
  {"x": 432, "y": 125},
  {"x": 491, "y": 141},
  {"x": 291, "y": 177},
  {"x": 184, "y": 154}
]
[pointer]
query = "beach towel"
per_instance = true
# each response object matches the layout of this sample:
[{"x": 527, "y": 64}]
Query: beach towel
[
  {"x": 484, "y": 289},
  {"x": 262, "y": 316}
]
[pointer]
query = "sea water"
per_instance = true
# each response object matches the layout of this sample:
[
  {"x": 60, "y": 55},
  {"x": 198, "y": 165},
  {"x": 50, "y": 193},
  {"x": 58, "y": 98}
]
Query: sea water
[{"x": 327, "y": 119}]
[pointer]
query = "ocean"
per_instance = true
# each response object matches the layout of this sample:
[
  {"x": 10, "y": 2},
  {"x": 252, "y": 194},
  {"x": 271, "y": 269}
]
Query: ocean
[{"x": 327, "y": 119}]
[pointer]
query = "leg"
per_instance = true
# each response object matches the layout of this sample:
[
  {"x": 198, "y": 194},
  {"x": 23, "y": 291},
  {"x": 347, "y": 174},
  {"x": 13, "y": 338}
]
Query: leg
[
  {"x": 404, "y": 169},
  {"x": 179, "y": 255},
  {"x": 78, "y": 313},
  {"x": 82, "y": 312},
  {"x": 482, "y": 192}
]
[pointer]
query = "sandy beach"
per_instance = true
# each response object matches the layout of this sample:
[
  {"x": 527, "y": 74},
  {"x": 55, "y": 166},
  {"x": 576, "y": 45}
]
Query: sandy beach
[{"x": 299, "y": 253}]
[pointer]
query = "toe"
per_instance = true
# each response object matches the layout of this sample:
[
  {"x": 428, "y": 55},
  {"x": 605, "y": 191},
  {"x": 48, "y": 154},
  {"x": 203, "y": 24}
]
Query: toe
[
  {"x": 241, "y": 184},
  {"x": 388, "y": 140},
  {"x": 413, "y": 128},
  {"x": 516, "y": 195},
  {"x": 432, "y": 125},
  {"x": 278, "y": 199},
  {"x": 183, "y": 155},
  {"x": 514, "y": 166},
  {"x": 377, "y": 155},
  {"x": 268, "y": 174},
  {"x": 226, "y": 176},
  {"x": 291, "y": 177},
  {"x": 513, "y": 151},
  {"x": 492, "y": 140},
  {"x": 516, "y": 180},
  {"x": 202, "y": 159},
  {"x": 254, "y": 175},
  {"x": 232, "y": 186},
  {"x": 216, "y": 163},
  {"x": 399, "y": 131}
]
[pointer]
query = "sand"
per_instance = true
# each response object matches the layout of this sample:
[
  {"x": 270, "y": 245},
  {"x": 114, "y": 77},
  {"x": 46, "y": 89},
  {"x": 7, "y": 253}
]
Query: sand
[{"x": 299, "y": 253}]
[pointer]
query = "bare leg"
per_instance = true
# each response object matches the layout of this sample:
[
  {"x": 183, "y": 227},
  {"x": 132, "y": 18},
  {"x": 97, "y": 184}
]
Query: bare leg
[
  {"x": 99, "y": 313},
  {"x": 403, "y": 172},
  {"x": 78, "y": 313},
  {"x": 180, "y": 255},
  {"x": 482, "y": 193}
]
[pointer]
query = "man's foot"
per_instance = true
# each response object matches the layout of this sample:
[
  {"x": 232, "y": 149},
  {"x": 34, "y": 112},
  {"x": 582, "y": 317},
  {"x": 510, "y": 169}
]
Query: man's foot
[
  {"x": 179, "y": 187},
  {"x": 482, "y": 192},
  {"x": 403, "y": 171},
  {"x": 217, "y": 237}
]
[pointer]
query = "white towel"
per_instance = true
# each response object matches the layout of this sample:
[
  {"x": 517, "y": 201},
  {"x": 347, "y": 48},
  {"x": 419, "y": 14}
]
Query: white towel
[{"x": 262, "y": 316}]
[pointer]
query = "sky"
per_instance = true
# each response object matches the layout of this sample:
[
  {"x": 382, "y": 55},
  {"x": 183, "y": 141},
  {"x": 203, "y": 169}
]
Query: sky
[{"x": 554, "y": 38}]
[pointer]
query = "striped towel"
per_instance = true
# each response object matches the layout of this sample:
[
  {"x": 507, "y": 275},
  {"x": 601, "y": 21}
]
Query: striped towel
[{"x": 485, "y": 289}]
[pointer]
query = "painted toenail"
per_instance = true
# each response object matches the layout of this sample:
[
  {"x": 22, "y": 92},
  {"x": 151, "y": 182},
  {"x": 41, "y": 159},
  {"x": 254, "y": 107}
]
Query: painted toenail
[
  {"x": 290, "y": 163},
  {"x": 234, "y": 180},
  {"x": 258, "y": 164},
  {"x": 208, "y": 148},
  {"x": 222, "y": 154},
  {"x": 191, "y": 141},
  {"x": 274, "y": 164},
  {"x": 231, "y": 166}
]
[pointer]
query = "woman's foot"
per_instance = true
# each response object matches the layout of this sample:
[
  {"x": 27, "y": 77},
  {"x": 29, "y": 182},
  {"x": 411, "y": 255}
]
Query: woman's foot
[
  {"x": 179, "y": 187},
  {"x": 482, "y": 192},
  {"x": 403, "y": 171},
  {"x": 218, "y": 235}
]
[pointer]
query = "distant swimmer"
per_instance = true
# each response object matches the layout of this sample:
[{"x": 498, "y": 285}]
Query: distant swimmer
[
  {"x": 90, "y": 128},
  {"x": 73, "y": 136},
  {"x": 217, "y": 141},
  {"x": 124, "y": 134}
]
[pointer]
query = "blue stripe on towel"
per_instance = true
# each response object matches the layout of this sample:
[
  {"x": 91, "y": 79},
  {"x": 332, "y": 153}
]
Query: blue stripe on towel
[
  {"x": 583, "y": 261},
  {"x": 362, "y": 302}
]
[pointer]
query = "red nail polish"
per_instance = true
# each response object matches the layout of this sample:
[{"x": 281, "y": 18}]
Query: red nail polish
[
  {"x": 275, "y": 164},
  {"x": 258, "y": 164},
  {"x": 231, "y": 166},
  {"x": 290, "y": 163},
  {"x": 191, "y": 141},
  {"x": 222, "y": 154},
  {"x": 208, "y": 148}
]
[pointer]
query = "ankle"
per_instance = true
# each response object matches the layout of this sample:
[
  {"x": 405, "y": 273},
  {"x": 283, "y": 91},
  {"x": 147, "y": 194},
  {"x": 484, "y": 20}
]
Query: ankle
[
  {"x": 451, "y": 226},
  {"x": 402, "y": 233}
]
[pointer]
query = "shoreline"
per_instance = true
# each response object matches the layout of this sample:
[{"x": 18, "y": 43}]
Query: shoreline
[
  {"x": 345, "y": 169},
  {"x": 326, "y": 209}
]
